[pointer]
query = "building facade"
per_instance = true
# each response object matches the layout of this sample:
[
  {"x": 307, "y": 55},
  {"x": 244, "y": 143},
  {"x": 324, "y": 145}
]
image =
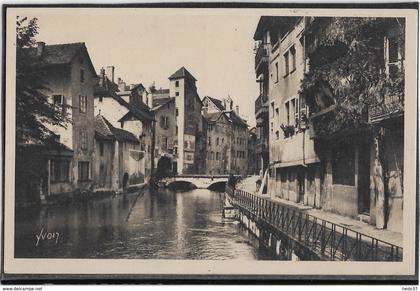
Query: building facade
[
  {"x": 124, "y": 107},
  {"x": 119, "y": 161},
  {"x": 188, "y": 121},
  {"x": 294, "y": 166},
  {"x": 69, "y": 77},
  {"x": 227, "y": 138},
  {"x": 324, "y": 152}
]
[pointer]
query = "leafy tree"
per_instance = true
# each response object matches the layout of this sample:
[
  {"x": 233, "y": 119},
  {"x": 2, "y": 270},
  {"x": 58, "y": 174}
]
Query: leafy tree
[
  {"x": 34, "y": 112},
  {"x": 348, "y": 61}
]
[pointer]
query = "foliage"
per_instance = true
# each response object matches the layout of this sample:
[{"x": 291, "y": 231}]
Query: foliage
[
  {"x": 288, "y": 130},
  {"x": 349, "y": 62},
  {"x": 33, "y": 111}
]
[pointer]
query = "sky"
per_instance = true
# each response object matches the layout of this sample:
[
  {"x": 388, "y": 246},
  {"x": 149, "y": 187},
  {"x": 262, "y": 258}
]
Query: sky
[{"x": 147, "y": 46}]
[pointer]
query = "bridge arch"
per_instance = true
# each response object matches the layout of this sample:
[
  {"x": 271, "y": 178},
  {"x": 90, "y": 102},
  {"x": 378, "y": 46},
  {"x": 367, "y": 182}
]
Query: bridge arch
[
  {"x": 181, "y": 185},
  {"x": 218, "y": 186}
]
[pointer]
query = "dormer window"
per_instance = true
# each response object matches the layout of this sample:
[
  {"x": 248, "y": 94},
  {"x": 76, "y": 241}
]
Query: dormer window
[
  {"x": 82, "y": 76},
  {"x": 177, "y": 84}
]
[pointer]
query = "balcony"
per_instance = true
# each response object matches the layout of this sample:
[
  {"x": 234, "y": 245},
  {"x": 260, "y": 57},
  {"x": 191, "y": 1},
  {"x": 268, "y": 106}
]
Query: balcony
[
  {"x": 390, "y": 107},
  {"x": 261, "y": 58},
  {"x": 261, "y": 106}
]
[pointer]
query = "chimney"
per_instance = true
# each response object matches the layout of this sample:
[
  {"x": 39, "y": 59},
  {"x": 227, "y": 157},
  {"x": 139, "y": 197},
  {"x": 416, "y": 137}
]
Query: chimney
[
  {"x": 121, "y": 85},
  {"x": 231, "y": 104},
  {"x": 237, "y": 109},
  {"x": 224, "y": 103},
  {"x": 110, "y": 72},
  {"x": 40, "y": 46},
  {"x": 102, "y": 77}
]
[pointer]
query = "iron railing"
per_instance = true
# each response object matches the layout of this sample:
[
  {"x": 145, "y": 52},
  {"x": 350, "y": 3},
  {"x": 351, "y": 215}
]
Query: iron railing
[
  {"x": 261, "y": 56},
  {"x": 328, "y": 240}
]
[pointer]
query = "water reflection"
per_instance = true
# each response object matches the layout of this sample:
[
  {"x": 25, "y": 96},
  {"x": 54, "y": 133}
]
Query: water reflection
[{"x": 160, "y": 225}]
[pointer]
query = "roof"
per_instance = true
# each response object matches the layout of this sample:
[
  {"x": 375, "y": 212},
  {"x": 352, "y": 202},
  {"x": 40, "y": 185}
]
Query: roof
[
  {"x": 139, "y": 110},
  {"x": 235, "y": 118},
  {"x": 58, "y": 54},
  {"x": 182, "y": 73},
  {"x": 216, "y": 102},
  {"x": 213, "y": 117},
  {"x": 281, "y": 23},
  {"x": 159, "y": 102},
  {"x": 105, "y": 130}
]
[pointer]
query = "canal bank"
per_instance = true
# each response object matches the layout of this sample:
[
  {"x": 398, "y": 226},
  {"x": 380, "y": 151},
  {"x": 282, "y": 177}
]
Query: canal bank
[{"x": 310, "y": 237}]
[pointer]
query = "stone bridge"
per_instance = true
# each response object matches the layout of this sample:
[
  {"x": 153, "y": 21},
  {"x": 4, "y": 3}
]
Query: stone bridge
[{"x": 195, "y": 181}]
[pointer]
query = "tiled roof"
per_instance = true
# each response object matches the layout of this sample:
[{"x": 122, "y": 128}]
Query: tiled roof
[
  {"x": 182, "y": 73},
  {"x": 57, "y": 54},
  {"x": 161, "y": 101},
  {"x": 212, "y": 117},
  {"x": 104, "y": 129},
  {"x": 235, "y": 118},
  {"x": 217, "y": 102},
  {"x": 139, "y": 110}
]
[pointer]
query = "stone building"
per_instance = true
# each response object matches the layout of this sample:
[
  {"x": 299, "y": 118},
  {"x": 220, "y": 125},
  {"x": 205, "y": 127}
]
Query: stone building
[
  {"x": 69, "y": 77},
  {"x": 125, "y": 108},
  {"x": 363, "y": 164},
  {"x": 119, "y": 162},
  {"x": 227, "y": 138},
  {"x": 165, "y": 134},
  {"x": 189, "y": 122},
  {"x": 261, "y": 103},
  {"x": 320, "y": 153},
  {"x": 218, "y": 148},
  {"x": 294, "y": 166}
]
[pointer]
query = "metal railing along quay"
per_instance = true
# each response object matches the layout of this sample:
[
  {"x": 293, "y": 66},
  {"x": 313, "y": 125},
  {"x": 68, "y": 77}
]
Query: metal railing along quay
[{"x": 329, "y": 240}]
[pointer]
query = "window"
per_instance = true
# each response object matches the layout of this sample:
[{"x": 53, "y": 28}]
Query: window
[
  {"x": 176, "y": 129},
  {"x": 343, "y": 167},
  {"x": 286, "y": 64},
  {"x": 287, "y": 113},
  {"x": 82, "y": 76},
  {"x": 209, "y": 141},
  {"x": 59, "y": 171},
  {"x": 223, "y": 140},
  {"x": 176, "y": 112},
  {"x": 277, "y": 72},
  {"x": 393, "y": 56},
  {"x": 297, "y": 110},
  {"x": 57, "y": 100},
  {"x": 292, "y": 109},
  {"x": 293, "y": 55},
  {"x": 101, "y": 98},
  {"x": 83, "y": 171},
  {"x": 212, "y": 155},
  {"x": 83, "y": 139},
  {"x": 272, "y": 109},
  {"x": 82, "y": 103},
  {"x": 164, "y": 143},
  {"x": 176, "y": 83},
  {"x": 101, "y": 148},
  {"x": 164, "y": 122},
  {"x": 217, "y": 141},
  {"x": 217, "y": 156},
  {"x": 185, "y": 144},
  {"x": 277, "y": 115},
  {"x": 277, "y": 134},
  {"x": 176, "y": 93}
]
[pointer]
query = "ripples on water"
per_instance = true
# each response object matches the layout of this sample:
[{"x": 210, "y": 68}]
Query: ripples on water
[{"x": 160, "y": 225}]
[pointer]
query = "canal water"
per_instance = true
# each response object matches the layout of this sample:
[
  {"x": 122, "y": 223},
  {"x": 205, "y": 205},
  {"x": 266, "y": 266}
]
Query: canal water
[{"x": 145, "y": 225}]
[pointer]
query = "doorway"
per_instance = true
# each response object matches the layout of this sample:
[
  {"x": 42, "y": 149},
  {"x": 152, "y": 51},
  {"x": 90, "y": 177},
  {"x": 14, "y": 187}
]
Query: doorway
[
  {"x": 364, "y": 180},
  {"x": 301, "y": 185}
]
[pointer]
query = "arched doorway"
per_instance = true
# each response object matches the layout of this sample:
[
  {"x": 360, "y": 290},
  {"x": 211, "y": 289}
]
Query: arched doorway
[
  {"x": 125, "y": 182},
  {"x": 164, "y": 167}
]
